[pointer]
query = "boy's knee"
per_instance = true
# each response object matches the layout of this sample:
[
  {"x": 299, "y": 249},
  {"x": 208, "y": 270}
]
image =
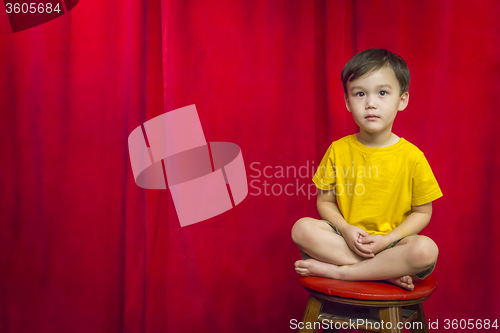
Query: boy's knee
[
  {"x": 300, "y": 229},
  {"x": 424, "y": 252}
]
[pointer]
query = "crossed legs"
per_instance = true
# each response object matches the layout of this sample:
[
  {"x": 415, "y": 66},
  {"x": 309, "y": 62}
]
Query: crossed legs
[{"x": 334, "y": 259}]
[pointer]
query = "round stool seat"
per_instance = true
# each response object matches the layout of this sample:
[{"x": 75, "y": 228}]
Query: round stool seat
[{"x": 369, "y": 290}]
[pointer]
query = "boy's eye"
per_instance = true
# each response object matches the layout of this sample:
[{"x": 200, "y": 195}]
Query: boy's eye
[
  {"x": 359, "y": 94},
  {"x": 383, "y": 93}
]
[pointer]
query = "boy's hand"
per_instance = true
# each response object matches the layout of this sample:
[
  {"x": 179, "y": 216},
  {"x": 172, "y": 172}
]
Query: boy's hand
[
  {"x": 375, "y": 243},
  {"x": 352, "y": 236}
]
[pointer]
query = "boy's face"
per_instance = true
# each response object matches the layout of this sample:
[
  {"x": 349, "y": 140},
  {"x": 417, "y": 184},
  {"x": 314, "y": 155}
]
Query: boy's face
[{"x": 376, "y": 93}]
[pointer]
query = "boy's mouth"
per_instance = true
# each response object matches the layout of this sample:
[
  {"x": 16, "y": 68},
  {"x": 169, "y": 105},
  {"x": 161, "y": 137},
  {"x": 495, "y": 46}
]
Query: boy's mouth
[{"x": 371, "y": 117}]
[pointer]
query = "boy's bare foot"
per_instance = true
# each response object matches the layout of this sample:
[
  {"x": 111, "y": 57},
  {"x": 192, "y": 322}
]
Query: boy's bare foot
[
  {"x": 404, "y": 282},
  {"x": 313, "y": 267}
]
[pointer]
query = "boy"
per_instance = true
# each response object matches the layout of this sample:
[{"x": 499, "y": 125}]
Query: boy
[{"x": 382, "y": 184}]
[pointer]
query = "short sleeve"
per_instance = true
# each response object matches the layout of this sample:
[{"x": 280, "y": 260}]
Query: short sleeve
[
  {"x": 324, "y": 178},
  {"x": 424, "y": 185}
]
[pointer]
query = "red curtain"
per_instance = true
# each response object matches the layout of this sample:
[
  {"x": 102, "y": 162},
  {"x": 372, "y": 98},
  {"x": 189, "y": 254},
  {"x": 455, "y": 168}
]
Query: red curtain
[{"x": 84, "y": 249}]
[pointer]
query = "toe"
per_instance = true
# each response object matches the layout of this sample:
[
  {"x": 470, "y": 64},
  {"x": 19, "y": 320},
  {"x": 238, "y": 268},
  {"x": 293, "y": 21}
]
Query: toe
[
  {"x": 303, "y": 263},
  {"x": 407, "y": 286},
  {"x": 407, "y": 280}
]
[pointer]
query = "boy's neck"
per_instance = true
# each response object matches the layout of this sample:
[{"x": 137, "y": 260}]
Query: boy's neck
[{"x": 377, "y": 140}]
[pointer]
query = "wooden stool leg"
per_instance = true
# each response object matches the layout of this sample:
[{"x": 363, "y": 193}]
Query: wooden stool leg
[
  {"x": 418, "y": 328},
  {"x": 392, "y": 315},
  {"x": 313, "y": 308}
]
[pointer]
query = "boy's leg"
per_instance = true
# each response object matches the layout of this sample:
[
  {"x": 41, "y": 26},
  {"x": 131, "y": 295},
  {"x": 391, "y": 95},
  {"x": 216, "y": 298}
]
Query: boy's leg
[
  {"x": 318, "y": 240},
  {"x": 411, "y": 255}
]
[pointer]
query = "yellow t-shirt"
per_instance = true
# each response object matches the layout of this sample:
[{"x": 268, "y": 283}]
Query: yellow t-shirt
[{"x": 376, "y": 187}]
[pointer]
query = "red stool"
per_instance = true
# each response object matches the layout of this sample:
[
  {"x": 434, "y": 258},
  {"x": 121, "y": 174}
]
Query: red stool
[{"x": 374, "y": 306}]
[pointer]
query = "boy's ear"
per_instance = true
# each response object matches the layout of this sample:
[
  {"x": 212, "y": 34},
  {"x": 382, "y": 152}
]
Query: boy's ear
[
  {"x": 403, "y": 101},
  {"x": 347, "y": 103}
]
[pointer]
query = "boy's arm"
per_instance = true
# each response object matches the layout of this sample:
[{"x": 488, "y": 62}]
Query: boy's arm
[
  {"x": 414, "y": 223},
  {"x": 329, "y": 211}
]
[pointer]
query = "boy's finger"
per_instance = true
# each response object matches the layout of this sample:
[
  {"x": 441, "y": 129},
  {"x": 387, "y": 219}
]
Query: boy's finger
[
  {"x": 368, "y": 239},
  {"x": 363, "y": 245},
  {"x": 362, "y": 248},
  {"x": 363, "y": 233},
  {"x": 355, "y": 248},
  {"x": 365, "y": 255}
]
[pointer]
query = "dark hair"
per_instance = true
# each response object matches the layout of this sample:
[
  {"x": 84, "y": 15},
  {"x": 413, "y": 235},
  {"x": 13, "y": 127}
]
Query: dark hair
[{"x": 373, "y": 59}]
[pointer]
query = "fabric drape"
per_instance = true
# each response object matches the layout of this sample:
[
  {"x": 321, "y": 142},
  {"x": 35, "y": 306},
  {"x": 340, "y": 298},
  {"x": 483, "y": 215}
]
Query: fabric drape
[{"x": 84, "y": 249}]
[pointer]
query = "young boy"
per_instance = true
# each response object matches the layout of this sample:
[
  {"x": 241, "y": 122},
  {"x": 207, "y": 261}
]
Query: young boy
[{"x": 376, "y": 189}]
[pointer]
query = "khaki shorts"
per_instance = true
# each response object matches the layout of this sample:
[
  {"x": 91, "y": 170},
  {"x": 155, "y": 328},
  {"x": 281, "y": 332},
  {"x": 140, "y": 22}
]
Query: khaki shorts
[{"x": 420, "y": 275}]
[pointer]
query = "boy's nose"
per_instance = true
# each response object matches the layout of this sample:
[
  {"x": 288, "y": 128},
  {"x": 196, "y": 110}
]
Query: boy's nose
[{"x": 370, "y": 103}]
